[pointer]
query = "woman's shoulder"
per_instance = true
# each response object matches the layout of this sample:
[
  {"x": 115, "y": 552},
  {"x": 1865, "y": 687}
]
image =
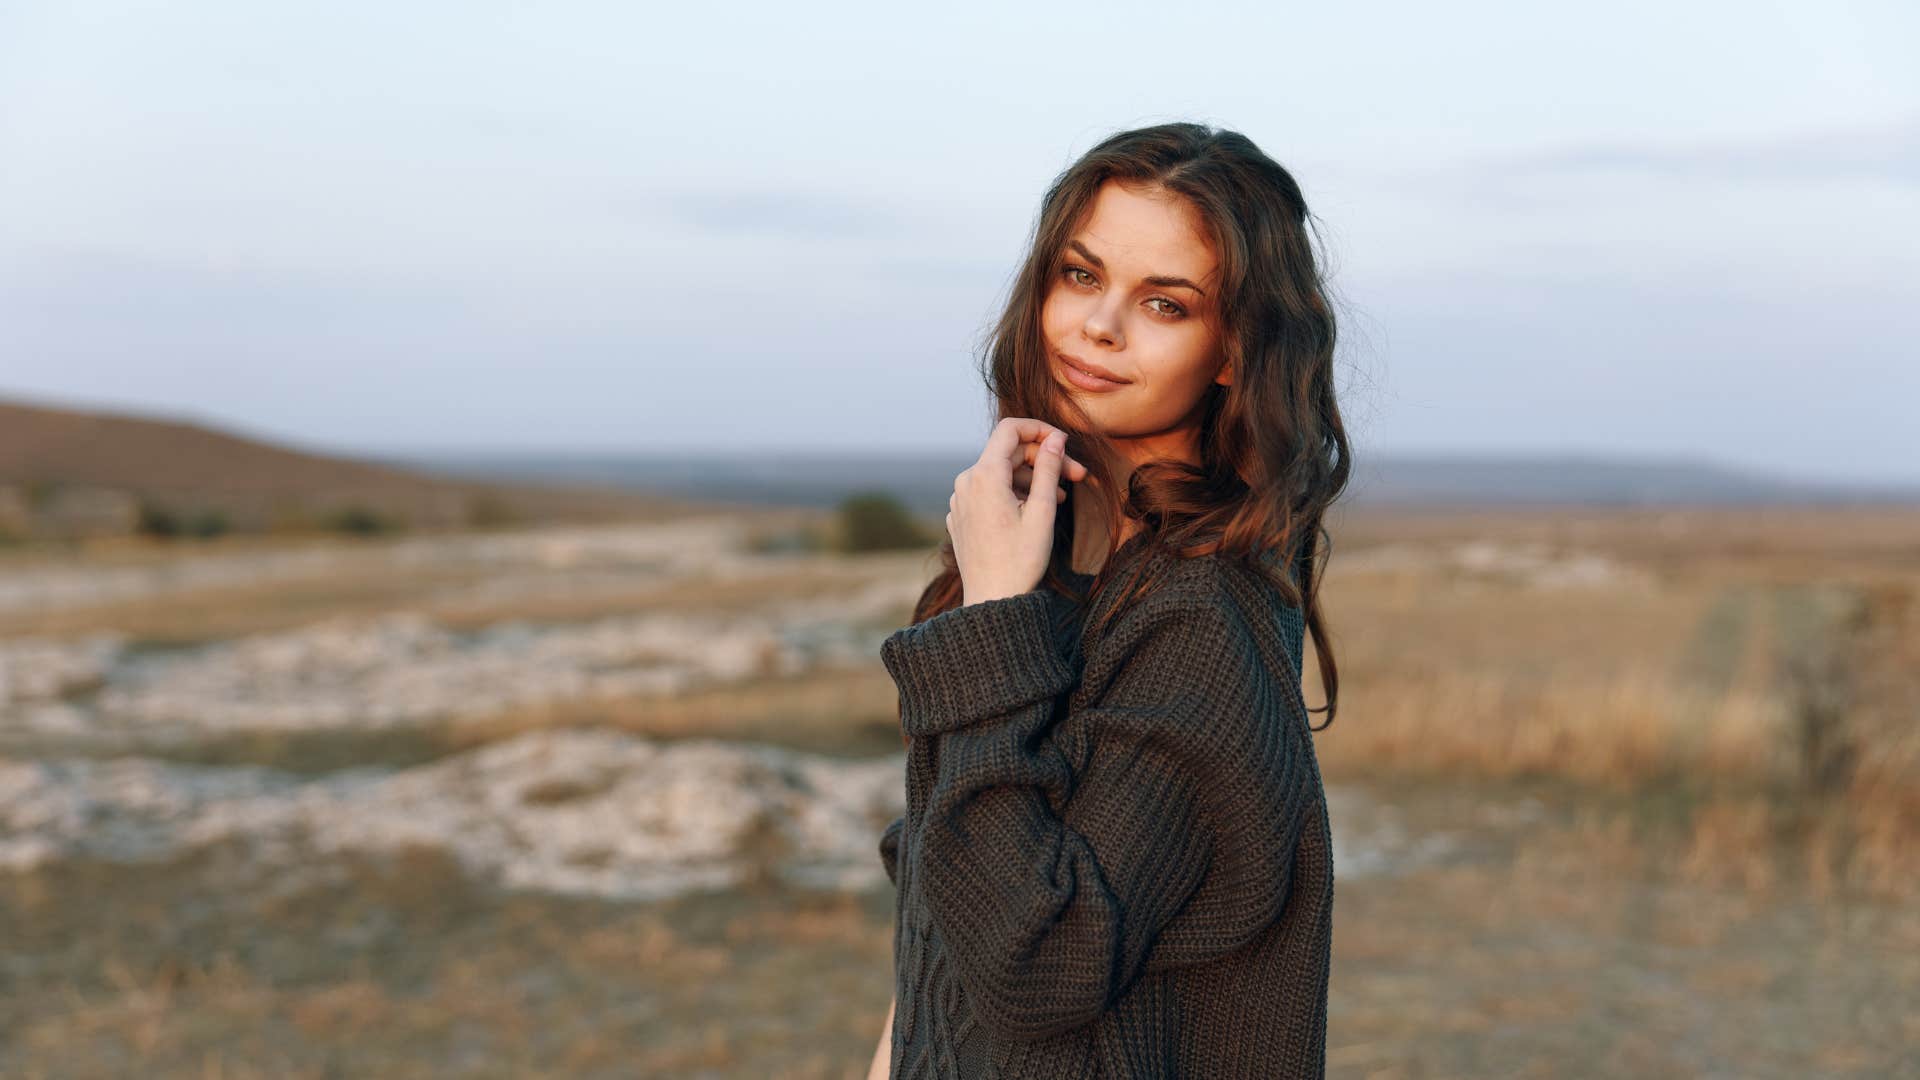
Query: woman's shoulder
[
  {"x": 1193, "y": 657},
  {"x": 1190, "y": 595},
  {"x": 1209, "y": 577},
  {"x": 1213, "y": 602}
]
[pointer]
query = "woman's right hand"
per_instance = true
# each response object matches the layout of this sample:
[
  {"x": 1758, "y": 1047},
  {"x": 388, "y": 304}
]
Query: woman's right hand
[{"x": 1001, "y": 541}]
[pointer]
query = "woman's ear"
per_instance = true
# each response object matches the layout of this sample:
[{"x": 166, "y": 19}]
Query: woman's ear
[{"x": 1224, "y": 376}]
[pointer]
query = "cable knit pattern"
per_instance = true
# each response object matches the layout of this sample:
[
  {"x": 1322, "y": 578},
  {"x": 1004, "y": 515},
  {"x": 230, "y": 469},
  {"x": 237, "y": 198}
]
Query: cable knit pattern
[{"x": 1115, "y": 861}]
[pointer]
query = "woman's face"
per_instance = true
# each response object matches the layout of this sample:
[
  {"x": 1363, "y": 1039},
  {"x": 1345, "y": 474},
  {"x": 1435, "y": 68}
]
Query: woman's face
[{"x": 1132, "y": 296}]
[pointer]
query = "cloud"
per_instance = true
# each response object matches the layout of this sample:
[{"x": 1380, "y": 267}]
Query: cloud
[
  {"x": 1882, "y": 153},
  {"x": 784, "y": 211}
]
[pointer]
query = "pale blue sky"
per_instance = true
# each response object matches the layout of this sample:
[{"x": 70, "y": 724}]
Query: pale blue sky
[{"x": 1646, "y": 229}]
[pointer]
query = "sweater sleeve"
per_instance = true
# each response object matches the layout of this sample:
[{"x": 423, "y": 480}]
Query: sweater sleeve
[{"x": 1062, "y": 869}]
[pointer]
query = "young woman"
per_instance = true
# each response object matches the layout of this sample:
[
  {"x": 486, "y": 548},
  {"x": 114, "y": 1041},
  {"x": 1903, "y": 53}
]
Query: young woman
[{"x": 1116, "y": 859}]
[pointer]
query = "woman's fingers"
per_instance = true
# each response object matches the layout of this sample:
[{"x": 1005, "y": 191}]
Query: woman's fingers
[
  {"x": 1016, "y": 439},
  {"x": 1031, "y": 451},
  {"x": 1006, "y": 444},
  {"x": 1038, "y": 514},
  {"x": 1023, "y": 480}
]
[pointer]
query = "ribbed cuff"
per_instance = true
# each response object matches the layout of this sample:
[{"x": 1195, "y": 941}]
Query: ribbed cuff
[{"x": 974, "y": 662}]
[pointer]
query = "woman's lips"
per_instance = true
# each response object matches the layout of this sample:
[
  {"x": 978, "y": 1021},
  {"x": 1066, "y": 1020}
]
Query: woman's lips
[{"x": 1085, "y": 380}]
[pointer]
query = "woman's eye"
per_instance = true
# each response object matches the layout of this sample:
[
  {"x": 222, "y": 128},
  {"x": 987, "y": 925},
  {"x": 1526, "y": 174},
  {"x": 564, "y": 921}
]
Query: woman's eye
[{"x": 1172, "y": 310}]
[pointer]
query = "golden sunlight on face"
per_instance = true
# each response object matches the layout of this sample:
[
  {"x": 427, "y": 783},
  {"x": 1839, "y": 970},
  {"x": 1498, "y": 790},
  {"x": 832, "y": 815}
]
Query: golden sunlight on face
[{"x": 1129, "y": 300}]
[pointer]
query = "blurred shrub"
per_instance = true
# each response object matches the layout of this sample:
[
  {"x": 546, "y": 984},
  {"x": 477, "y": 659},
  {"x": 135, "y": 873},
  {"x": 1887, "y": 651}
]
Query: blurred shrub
[
  {"x": 1859, "y": 695},
  {"x": 876, "y": 521},
  {"x": 357, "y": 520},
  {"x": 156, "y": 521},
  {"x": 161, "y": 522},
  {"x": 207, "y": 523},
  {"x": 1853, "y": 695}
]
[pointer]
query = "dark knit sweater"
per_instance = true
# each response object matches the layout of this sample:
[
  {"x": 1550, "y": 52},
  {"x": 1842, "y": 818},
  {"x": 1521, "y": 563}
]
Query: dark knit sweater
[{"x": 1115, "y": 860}]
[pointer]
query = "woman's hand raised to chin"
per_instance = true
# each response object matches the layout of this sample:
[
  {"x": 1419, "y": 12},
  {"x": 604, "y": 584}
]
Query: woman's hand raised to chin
[{"x": 1001, "y": 541}]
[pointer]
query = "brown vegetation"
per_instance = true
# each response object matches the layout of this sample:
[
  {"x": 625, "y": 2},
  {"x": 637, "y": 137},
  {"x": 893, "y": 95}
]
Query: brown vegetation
[{"x": 1734, "y": 671}]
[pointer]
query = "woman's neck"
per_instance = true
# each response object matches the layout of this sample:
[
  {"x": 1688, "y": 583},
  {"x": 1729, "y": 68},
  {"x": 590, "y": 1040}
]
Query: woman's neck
[{"x": 1090, "y": 533}]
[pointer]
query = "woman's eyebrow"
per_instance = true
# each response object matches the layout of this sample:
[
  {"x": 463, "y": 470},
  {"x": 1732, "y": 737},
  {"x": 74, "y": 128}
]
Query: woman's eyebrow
[{"x": 1161, "y": 280}]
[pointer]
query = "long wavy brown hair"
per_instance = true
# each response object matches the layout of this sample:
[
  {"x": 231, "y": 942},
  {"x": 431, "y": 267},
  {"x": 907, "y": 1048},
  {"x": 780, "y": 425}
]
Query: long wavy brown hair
[{"x": 1273, "y": 452}]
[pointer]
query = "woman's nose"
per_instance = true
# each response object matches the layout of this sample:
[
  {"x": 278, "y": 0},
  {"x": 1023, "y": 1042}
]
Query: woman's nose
[{"x": 1103, "y": 328}]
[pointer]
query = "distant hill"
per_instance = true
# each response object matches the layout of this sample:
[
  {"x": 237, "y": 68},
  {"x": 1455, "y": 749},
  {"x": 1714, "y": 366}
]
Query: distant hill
[
  {"x": 1589, "y": 480},
  {"x": 923, "y": 480},
  {"x": 65, "y": 471},
  {"x": 68, "y": 470}
]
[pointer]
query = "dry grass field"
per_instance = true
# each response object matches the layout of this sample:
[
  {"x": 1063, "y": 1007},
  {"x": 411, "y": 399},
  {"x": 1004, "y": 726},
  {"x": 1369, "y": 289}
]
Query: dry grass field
[
  {"x": 1724, "y": 659},
  {"x": 1668, "y": 763}
]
